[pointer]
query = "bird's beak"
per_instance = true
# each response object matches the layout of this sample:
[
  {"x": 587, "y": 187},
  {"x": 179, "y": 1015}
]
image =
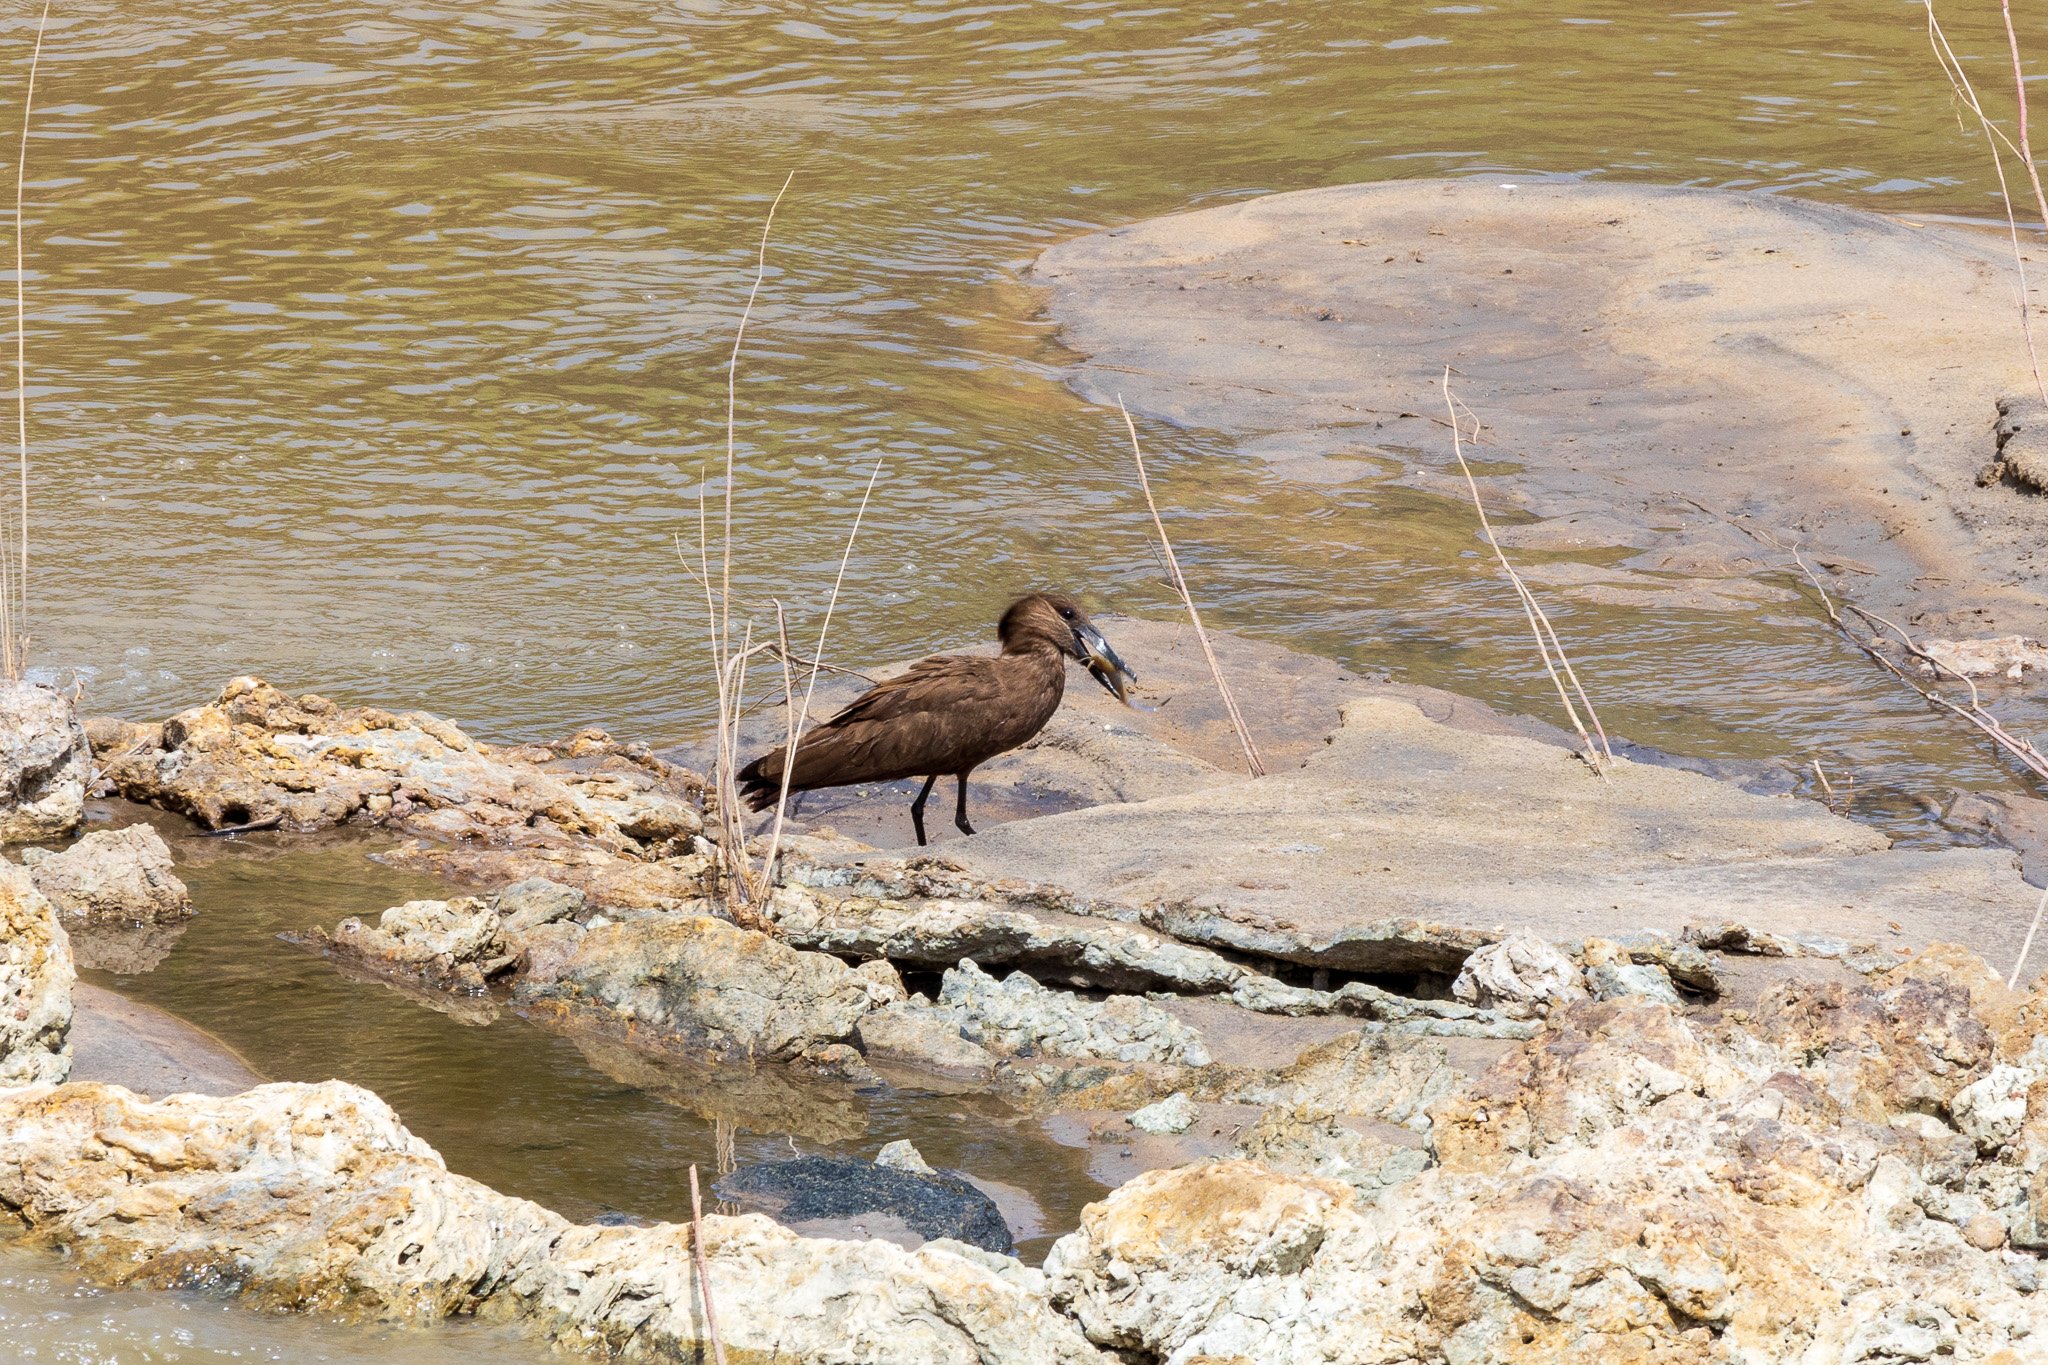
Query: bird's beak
[{"x": 1109, "y": 669}]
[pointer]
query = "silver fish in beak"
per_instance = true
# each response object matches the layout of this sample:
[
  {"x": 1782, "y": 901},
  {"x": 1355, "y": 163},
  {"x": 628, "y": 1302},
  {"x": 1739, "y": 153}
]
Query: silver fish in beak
[{"x": 1107, "y": 665}]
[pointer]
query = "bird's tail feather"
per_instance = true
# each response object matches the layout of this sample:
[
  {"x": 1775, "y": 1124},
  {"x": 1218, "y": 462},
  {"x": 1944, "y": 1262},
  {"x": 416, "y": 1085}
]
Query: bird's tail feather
[{"x": 761, "y": 781}]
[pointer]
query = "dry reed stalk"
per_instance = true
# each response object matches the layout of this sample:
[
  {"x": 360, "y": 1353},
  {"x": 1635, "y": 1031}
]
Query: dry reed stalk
[
  {"x": 14, "y": 593},
  {"x": 728, "y": 668},
  {"x": 2021, "y": 750},
  {"x": 2019, "y": 90},
  {"x": 2012, "y": 983},
  {"x": 1959, "y": 82},
  {"x": 732, "y": 378},
  {"x": 1825, "y": 785},
  {"x": 796, "y": 717},
  {"x": 1547, "y": 644},
  {"x": 749, "y": 889},
  {"x": 703, "y": 1268},
  {"x": 1187, "y": 600}
]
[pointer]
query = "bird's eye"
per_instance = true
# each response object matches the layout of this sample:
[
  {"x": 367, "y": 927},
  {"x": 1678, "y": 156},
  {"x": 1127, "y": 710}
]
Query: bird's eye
[{"x": 1067, "y": 613}]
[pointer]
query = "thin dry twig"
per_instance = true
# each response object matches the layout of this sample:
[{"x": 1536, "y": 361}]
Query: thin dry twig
[
  {"x": 789, "y": 727},
  {"x": 2019, "y": 90},
  {"x": 1959, "y": 81},
  {"x": 703, "y": 1268},
  {"x": 1825, "y": 785},
  {"x": 728, "y": 668},
  {"x": 14, "y": 596},
  {"x": 2022, "y": 751},
  {"x": 732, "y": 379},
  {"x": 1555, "y": 661},
  {"x": 796, "y": 717},
  {"x": 2012, "y": 983},
  {"x": 1187, "y": 600}
]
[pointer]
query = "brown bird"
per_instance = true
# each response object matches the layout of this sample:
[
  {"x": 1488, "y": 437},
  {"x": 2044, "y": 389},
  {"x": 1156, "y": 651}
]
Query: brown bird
[{"x": 950, "y": 713}]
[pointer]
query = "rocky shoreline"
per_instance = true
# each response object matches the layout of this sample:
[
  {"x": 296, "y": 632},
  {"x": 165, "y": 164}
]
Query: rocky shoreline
[{"x": 1719, "y": 1121}]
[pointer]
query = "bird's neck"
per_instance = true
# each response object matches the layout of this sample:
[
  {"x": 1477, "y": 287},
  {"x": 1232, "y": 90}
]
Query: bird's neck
[
  {"x": 1041, "y": 655},
  {"x": 1033, "y": 646}
]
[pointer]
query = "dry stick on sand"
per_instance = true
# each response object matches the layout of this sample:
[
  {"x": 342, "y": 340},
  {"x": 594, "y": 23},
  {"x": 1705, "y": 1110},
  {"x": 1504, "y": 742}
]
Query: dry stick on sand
[
  {"x": 1959, "y": 81},
  {"x": 1547, "y": 643},
  {"x": 1180, "y": 585},
  {"x": 703, "y": 1268},
  {"x": 2012, "y": 983},
  {"x": 2027, "y": 755},
  {"x": 14, "y": 577}
]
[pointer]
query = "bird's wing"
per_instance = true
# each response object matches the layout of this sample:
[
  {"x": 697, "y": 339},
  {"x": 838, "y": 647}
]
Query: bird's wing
[
  {"x": 929, "y": 685},
  {"x": 898, "y": 728}
]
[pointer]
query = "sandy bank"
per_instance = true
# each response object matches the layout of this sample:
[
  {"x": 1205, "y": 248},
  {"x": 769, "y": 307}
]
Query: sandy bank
[{"x": 1812, "y": 373}]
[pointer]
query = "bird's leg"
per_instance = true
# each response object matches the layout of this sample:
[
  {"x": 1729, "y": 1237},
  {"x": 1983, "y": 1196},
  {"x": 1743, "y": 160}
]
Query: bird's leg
[
  {"x": 960, "y": 808},
  {"x": 917, "y": 808}
]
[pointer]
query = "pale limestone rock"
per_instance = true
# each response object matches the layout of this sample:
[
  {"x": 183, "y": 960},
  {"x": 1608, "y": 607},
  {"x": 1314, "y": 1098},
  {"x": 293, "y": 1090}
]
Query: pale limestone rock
[
  {"x": 112, "y": 876},
  {"x": 938, "y": 933},
  {"x": 1596, "y": 1068},
  {"x": 1990, "y": 1111},
  {"x": 1612, "y": 975},
  {"x": 45, "y": 763},
  {"x": 881, "y": 974},
  {"x": 900, "y": 1155},
  {"x": 1521, "y": 975},
  {"x": 1017, "y": 1015},
  {"x": 2006, "y": 656},
  {"x": 257, "y": 754},
  {"x": 1301, "y": 1140},
  {"x": 920, "y": 1036},
  {"x": 1630, "y": 1186},
  {"x": 607, "y": 880},
  {"x": 728, "y": 992},
  {"x": 36, "y": 975},
  {"x": 315, "y": 1197},
  {"x": 1174, "y": 1114},
  {"x": 1368, "y": 1074},
  {"x": 450, "y": 945},
  {"x": 526, "y": 905},
  {"x": 1406, "y": 1013}
]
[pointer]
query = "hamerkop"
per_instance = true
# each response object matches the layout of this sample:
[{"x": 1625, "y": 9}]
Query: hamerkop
[{"x": 950, "y": 713}]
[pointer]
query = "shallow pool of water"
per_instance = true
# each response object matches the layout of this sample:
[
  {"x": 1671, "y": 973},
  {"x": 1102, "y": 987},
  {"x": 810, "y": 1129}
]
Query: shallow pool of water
[
  {"x": 51, "y": 1313},
  {"x": 585, "y": 1125}
]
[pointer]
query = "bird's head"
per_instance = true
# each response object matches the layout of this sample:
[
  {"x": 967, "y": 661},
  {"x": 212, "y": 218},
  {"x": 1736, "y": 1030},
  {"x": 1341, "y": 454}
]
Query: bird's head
[{"x": 1051, "y": 618}]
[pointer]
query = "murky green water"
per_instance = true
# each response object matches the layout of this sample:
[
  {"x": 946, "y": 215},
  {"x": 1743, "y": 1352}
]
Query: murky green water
[
  {"x": 584, "y": 1125},
  {"x": 378, "y": 348}
]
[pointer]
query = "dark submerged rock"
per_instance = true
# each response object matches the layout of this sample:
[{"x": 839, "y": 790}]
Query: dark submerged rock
[{"x": 811, "y": 1189}]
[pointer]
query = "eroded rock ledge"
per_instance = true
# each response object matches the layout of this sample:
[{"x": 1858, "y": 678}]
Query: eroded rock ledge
[
  {"x": 1852, "y": 1170},
  {"x": 1855, "y": 1173},
  {"x": 315, "y": 1197},
  {"x": 256, "y": 755}
]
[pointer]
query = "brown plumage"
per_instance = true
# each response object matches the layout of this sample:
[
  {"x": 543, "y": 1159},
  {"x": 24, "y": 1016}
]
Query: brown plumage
[{"x": 948, "y": 714}]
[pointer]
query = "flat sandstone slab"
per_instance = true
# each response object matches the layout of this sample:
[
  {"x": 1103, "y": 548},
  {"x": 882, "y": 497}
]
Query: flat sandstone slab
[
  {"x": 125, "y": 1042},
  {"x": 1642, "y": 351},
  {"x": 1402, "y": 818}
]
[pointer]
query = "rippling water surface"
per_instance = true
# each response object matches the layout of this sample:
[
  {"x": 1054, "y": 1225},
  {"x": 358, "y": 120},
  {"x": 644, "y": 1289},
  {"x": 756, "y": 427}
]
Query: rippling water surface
[{"x": 379, "y": 348}]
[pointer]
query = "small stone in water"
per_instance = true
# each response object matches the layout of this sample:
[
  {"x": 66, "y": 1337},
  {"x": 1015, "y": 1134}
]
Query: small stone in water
[
  {"x": 900, "y": 1155},
  {"x": 1174, "y": 1114}
]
